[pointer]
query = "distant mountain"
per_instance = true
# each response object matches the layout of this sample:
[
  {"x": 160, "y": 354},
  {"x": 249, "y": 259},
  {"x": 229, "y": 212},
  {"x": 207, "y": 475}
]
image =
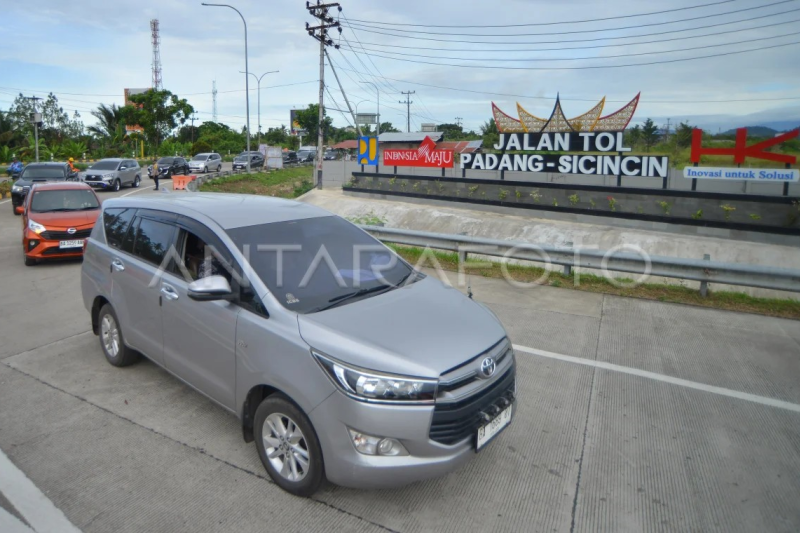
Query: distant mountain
[{"x": 755, "y": 131}]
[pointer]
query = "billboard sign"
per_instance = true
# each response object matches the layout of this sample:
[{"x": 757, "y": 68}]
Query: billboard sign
[
  {"x": 740, "y": 152},
  {"x": 366, "y": 118},
  {"x": 425, "y": 156},
  {"x": 367, "y": 151},
  {"x": 295, "y": 126}
]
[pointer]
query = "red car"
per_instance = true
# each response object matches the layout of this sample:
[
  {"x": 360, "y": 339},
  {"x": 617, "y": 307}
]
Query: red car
[{"x": 57, "y": 217}]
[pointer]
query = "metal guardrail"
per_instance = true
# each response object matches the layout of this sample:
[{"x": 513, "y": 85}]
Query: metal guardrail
[{"x": 615, "y": 260}]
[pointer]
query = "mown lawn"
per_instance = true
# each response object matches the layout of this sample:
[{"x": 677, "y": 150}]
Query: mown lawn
[{"x": 283, "y": 183}]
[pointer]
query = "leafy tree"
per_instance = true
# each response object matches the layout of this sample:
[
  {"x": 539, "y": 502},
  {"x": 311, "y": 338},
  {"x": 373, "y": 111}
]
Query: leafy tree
[
  {"x": 8, "y": 131},
  {"x": 489, "y": 133},
  {"x": 309, "y": 121},
  {"x": 452, "y": 132},
  {"x": 633, "y": 136},
  {"x": 276, "y": 136},
  {"x": 157, "y": 112},
  {"x": 649, "y": 136},
  {"x": 200, "y": 147},
  {"x": 108, "y": 118},
  {"x": 70, "y": 148},
  {"x": 683, "y": 135},
  {"x": 388, "y": 127},
  {"x": 28, "y": 151},
  {"x": 56, "y": 123}
]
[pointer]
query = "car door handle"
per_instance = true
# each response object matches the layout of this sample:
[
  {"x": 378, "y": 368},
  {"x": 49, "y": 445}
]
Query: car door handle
[
  {"x": 117, "y": 265},
  {"x": 169, "y": 292}
]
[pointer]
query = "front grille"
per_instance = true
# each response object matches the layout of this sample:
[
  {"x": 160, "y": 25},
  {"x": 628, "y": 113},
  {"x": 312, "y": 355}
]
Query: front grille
[
  {"x": 64, "y": 236},
  {"x": 455, "y": 421},
  {"x": 92, "y": 178},
  {"x": 466, "y": 373},
  {"x": 62, "y": 251}
]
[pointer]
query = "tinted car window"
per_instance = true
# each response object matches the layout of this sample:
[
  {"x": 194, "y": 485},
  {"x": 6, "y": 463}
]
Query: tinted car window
[
  {"x": 153, "y": 240},
  {"x": 116, "y": 222},
  {"x": 201, "y": 157},
  {"x": 319, "y": 260},
  {"x": 66, "y": 200},
  {"x": 165, "y": 161},
  {"x": 105, "y": 165},
  {"x": 33, "y": 172}
]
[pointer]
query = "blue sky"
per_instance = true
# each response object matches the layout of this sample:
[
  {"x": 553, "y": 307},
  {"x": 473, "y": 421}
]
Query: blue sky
[{"x": 88, "y": 51}]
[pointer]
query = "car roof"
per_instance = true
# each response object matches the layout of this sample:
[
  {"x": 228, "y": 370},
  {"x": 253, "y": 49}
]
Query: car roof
[
  {"x": 117, "y": 159},
  {"x": 60, "y": 186},
  {"x": 48, "y": 164},
  {"x": 228, "y": 210}
]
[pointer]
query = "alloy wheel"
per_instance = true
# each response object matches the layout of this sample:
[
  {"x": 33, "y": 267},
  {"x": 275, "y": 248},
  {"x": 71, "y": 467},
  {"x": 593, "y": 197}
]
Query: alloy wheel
[
  {"x": 286, "y": 447},
  {"x": 109, "y": 334}
]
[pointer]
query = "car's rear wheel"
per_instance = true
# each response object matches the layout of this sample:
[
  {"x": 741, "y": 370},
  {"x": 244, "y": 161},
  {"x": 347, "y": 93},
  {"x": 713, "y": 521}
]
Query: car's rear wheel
[
  {"x": 288, "y": 446},
  {"x": 117, "y": 185},
  {"x": 136, "y": 181},
  {"x": 205, "y": 170},
  {"x": 29, "y": 261},
  {"x": 111, "y": 340}
]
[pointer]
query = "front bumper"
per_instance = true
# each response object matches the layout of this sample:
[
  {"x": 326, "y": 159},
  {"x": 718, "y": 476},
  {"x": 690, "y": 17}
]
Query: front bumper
[
  {"x": 17, "y": 198},
  {"x": 99, "y": 184},
  {"x": 410, "y": 425},
  {"x": 42, "y": 246}
]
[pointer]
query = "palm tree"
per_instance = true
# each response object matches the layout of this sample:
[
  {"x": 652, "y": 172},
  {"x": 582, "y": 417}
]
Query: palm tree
[
  {"x": 7, "y": 131},
  {"x": 109, "y": 118}
]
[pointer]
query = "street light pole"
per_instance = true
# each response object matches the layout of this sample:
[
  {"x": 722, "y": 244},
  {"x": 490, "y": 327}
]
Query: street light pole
[
  {"x": 378, "y": 126},
  {"x": 258, "y": 78},
  {"x": 246, "y": 78}
]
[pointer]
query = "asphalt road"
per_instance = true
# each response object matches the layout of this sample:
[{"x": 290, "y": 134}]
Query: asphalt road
[{"x": 632, "y": 416}]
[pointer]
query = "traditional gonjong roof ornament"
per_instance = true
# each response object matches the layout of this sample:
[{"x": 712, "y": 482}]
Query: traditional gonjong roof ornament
[{"x": 558, "y": 123}]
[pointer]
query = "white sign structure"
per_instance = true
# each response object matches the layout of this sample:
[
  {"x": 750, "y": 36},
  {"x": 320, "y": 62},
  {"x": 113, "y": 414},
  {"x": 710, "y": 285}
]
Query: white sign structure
[{"x": 742, "y": 174}]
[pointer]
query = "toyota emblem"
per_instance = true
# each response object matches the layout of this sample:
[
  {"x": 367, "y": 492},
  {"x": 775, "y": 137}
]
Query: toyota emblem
[
  {"x": 71, "y": 231},
  {"x": 487, "y": 367}
]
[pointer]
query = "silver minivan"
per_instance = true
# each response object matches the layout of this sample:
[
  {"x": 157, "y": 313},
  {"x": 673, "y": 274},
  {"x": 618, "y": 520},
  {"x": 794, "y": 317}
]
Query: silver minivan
[
  {"x": 208, "y": 162},
  {"x": 112, "y": 174},
  {"x": 340, "y": 359}
]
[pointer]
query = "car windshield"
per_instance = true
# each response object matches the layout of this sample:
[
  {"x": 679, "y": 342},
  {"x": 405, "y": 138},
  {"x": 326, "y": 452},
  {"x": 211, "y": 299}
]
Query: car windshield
[
  {"x": 200, "y": 157},
  {"x": 49, "y": 173},
  {"x": 241, "y": 158},
  {"x": 64, "y": 200},
  {"x": 105, "y": 165},
  {"x": 166, "y": 161},
  {"x": 314, "y": 263}
]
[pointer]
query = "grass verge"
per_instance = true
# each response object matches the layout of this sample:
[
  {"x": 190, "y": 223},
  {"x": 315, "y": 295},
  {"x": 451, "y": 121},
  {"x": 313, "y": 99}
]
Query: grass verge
[
  {"x": 283, "y": 183},
  {"x": 732, "y": 301}
]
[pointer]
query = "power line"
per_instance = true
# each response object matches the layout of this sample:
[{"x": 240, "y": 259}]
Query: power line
[
  {"x": 533, "y": 97},
  {"x": 408, "y": 103},
  {"x": 592, "y": 58},
  {"x": 391, "y": 87},
  {"x": 591, "y": 47},
  {"x": 493, "y": 43},
  {"x": 649, "y": 24},
  {"x": 588, "y": 67},
  {"x": 545, "y": 23}
]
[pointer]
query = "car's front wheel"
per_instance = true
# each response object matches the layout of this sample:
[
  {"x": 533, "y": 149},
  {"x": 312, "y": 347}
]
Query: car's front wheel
[
  {"x": 288, "y": 446},
  {"x": 117, "y": 185},
  {"x": 111, "y": 340}
]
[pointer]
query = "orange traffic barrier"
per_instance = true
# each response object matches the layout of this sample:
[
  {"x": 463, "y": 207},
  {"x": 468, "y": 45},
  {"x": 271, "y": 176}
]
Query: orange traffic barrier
[{"x": 179, "y": 183}]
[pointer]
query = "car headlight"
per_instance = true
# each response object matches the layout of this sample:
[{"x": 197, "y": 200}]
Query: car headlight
[
  {"x": 36, "y": 227},
  {"x": 16, "y": 188},
  {"x": 366, "y": 385},
  {"x": 108, "y": 176}
]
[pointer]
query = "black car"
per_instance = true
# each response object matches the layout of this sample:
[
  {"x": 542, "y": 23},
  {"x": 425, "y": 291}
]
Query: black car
[
  {"x": 289, "y": 157},
  {"x": 173, "y": 166},
  {"x": 37, "y": 173},
  {"x": 306, "y": 156},
  {"x": 330, "y": 155},
  {"x": 256, "y": 160}
]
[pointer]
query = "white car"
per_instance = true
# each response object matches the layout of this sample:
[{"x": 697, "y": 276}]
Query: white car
[{"x": 209, "y": 162}]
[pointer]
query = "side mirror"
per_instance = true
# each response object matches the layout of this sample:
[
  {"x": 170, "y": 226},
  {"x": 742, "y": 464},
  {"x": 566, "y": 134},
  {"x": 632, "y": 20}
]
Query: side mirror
[
  {"x": 210, "y": 289},
  {"x": 19, "y": 210}
]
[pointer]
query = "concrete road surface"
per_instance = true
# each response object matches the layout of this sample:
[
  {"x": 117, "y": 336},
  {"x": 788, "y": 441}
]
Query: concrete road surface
[{"x": 633, "y": 416}]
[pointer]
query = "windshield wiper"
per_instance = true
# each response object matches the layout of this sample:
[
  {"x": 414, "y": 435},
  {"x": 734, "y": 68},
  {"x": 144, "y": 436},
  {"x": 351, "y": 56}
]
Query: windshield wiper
[
  {"x": 57, "y": 210},
  {"x": 333, "y": 302}
]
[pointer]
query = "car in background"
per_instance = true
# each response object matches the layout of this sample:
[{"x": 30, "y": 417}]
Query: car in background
[
  {"x": 173, "y": 166},
  {"x": 289, "y": 157},
  {"x": 57, "y": 217},
  {"x": 206, "y": 162},
  {"x": 38, "y": 173},
  {"x": 256, "y": 160},
  {"x": 306, "y": 156},
  {"x": 330, "y": 155},
  {"x": 112, "y": 174},
  {"x": 366, "y": 371}
]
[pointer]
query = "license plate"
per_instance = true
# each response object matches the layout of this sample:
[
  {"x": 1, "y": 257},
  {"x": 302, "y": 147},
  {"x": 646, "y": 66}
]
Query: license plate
[
  {"x": 78, "y": 243},
  {"x": 495, "y": 426}
]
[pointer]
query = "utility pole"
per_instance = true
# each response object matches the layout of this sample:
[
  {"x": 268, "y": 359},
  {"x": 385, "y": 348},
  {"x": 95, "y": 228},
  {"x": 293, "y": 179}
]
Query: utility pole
[
  {"x": 667, "y": 137},
  {"x": 408, "y": 103},
  {"x": 36, "y": 118},
  {"x": 346, "y": 101},
  {"x": 458, "y": 121},
  {"x": 320, "y": 11},
  {"x": 192, "y": 130}
]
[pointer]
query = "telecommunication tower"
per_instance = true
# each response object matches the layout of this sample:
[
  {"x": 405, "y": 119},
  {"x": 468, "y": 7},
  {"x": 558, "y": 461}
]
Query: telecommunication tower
[
  {"x": 156, "y": 40},
  {"x": 214, "y": 101}
]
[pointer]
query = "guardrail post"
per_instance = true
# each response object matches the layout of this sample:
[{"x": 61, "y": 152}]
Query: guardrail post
[
  {"x": 462, "y": 257},
  {"x": 704, "y": 284},
  {"x": 786, "y": 183},
  {"x": 568, "y": 268}
]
